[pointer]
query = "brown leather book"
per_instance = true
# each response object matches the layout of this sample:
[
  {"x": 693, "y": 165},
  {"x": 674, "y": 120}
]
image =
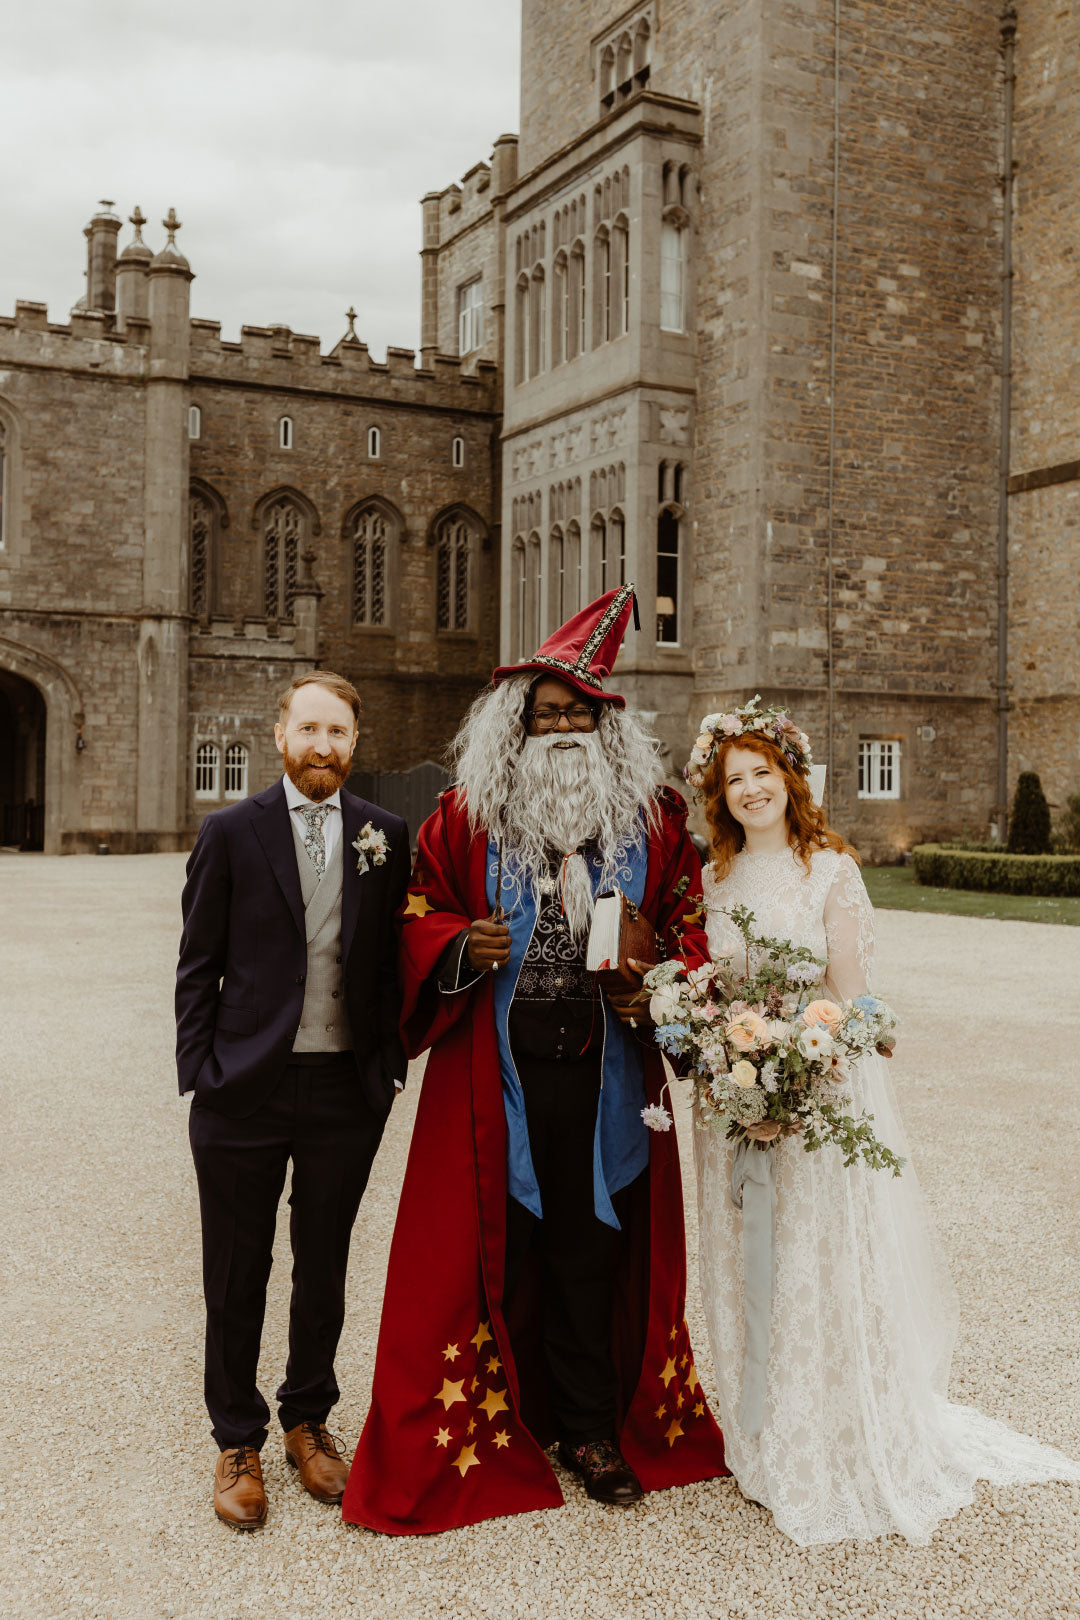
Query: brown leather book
[{"x": 619, "y": 931}]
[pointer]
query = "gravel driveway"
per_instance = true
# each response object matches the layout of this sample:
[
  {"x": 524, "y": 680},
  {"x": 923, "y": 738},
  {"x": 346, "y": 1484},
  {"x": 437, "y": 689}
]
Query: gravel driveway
[{"x": 105, "y": 1510}]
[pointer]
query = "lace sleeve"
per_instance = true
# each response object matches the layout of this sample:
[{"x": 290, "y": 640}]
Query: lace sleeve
[{"x": 849, "y": 931}]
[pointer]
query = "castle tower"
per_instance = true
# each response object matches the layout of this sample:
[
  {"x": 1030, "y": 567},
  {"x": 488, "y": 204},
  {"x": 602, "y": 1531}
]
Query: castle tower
[
  {"x": 781, "y": 286},
  {"x": 163, "y": 629}
]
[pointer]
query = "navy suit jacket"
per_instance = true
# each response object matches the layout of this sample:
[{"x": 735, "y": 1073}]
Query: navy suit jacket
[{"x": 243, "y": 954}]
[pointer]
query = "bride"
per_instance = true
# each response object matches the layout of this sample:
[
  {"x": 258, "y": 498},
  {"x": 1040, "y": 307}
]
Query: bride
[{"x": 858, "y": 1438}]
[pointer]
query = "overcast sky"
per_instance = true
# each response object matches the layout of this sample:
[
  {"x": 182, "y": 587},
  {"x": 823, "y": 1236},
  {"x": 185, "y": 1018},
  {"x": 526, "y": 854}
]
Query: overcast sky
[{"x": 294, "y": 141}]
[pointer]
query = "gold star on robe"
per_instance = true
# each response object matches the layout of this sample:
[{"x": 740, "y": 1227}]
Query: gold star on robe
[
  {"x": 494, "y": 1401},
  {"x": 661, "y": 1412},
  {"x": 451, "y": 1353},
  {"x": 692, "y": 916},
  {"x": 502, "y": 1439},
  {"x": 494, "y": 1365},
  {"x": 669, "y": 1372},
  {"x": 692, "y": 1379},
  {"x": 683, "y": 1360},
  {"x": 483, "y": 1335},
  {"x": 673, "y": 1335},
  {"x": 680, "y": 1400},
  {"x": 450, "y": 1393},
  {"x": 443, "y": 1437},
  {"x": 673, "y": 1431},
  {"x": 418, "y": 905},
  {"x": 699, "y": 1408},
  {"x": 470, "y": 1427},
  {"x": 466, "y": 1459}
]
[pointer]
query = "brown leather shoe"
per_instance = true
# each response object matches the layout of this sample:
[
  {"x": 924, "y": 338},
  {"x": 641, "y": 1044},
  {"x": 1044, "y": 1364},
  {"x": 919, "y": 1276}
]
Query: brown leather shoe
[
  {"x": 239, "y": 1497},
  {"x": 312, "y": 1449}
]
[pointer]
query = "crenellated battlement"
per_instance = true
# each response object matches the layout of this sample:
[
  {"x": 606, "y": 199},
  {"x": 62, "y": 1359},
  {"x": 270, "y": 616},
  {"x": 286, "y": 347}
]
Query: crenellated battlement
[
  {"x": 276, "y": 356},
  {"x": 88, "y": 341}
]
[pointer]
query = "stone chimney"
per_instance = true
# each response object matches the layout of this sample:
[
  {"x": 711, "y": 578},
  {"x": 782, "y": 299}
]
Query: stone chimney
[
  {"x": 101, "y": 234},
  {"x": 132, "y": 287}
]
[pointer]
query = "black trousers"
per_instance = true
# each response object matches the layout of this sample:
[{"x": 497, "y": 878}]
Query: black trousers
[
  {"x": 318, "y": 1117},
  {"x": 577, "y": 1254}
]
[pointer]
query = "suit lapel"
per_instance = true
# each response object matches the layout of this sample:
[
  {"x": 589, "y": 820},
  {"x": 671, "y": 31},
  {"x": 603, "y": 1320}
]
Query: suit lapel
[{"x": 274, "y": 832}]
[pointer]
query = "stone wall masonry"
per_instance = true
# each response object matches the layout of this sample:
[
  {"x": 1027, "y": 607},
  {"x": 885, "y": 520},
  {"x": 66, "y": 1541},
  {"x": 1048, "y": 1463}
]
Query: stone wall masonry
[
  {"x": 1044, "y": 524},
  {"x": 81, "y": 494}
]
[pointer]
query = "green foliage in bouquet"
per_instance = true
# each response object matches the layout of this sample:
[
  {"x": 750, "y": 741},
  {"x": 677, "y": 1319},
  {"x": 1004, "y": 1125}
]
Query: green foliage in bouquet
[{"x": 1029, "y": 822}]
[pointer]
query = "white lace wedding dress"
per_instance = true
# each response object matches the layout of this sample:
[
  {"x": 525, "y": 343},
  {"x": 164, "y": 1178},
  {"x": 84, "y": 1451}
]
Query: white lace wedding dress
[{"x": 858, "y": 1439}]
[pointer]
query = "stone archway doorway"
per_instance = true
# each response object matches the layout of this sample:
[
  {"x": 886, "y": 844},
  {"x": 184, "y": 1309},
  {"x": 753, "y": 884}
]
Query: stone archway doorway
[{"x": 22, "y": 763}]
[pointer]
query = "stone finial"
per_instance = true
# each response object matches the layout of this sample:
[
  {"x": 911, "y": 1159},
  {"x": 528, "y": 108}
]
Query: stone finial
[
  {"x": 138, "y": 219},
  {"x": 350, "y": 335},
  {"x": 172, "y": 225}
]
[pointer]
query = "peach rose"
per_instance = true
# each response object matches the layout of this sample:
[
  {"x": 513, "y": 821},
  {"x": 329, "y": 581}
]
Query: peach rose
[
  {"x": 824, "y": 1012},
  {"x": 704, "y": 741},
  {"x": 747, "y": 1030}
]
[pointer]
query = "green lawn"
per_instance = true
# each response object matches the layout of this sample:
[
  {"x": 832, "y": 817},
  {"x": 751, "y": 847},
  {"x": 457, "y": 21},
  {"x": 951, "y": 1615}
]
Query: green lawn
[{"x": 895, "y": 888}]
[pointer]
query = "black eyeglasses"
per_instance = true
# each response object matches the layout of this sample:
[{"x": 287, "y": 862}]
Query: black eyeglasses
[{"x": 547, "y": 717}]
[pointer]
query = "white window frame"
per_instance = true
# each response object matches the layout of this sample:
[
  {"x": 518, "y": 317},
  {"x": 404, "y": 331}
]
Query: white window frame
[
  {"x": 286, "y": 436},
  {"x": 879, "y": 768},
  {"x": 207, "y": 770},
  {"x": 470, "y": 316},
  {"x": 457, "y": 452},
  {"x": 236, "y": 771},
  {"x": 374, "y": 443},
  {"x": 194, "y": 422}
]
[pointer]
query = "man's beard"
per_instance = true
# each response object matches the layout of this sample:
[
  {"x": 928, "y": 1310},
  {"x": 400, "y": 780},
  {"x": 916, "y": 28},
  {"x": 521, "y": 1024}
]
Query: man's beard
[
  {"x": 561, "y": 789},
  {"x": 316, "y": 785}
]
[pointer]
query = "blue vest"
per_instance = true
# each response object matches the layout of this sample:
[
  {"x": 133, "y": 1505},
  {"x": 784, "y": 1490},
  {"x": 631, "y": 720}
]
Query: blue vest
[{"x": 621, "y": 1139}]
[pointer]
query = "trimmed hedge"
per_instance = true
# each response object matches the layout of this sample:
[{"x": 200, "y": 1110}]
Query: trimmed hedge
[{"x": 999, "y": 873}]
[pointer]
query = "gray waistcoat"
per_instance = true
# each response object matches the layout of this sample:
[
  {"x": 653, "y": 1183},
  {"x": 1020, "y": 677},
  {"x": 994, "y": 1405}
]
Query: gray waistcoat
[{"x": 324, "y": 1022}]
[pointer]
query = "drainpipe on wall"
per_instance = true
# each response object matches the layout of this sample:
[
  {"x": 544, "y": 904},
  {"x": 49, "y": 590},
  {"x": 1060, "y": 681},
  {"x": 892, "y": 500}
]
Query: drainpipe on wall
[
  {"x": 830, "y": 684},
  {"x": 1008, "y": 40}
]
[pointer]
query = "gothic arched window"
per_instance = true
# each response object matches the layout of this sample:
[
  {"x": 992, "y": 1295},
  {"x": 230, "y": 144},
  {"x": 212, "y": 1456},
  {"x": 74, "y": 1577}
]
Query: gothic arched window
[
  {"x": 572, "y": 568},
  {"x": 523, "y": 342},
  {"x": 557, "y": 593},
  {"x": 517, "y": 603},
  {"x": 201, "y": 521},
  {"x": 599, "y": 561},
  {"x": 534, "y": 634},
  {"x": 236, "y": 771},
  {"x": 621, "y": 276},
  {"x": 207, "y": 768},
  {"x": 283, "y": 530},
  {"x": 370, "y": 543},
  {"x": 674, "y": 237},
  {"x": 194, "y": 422},
  {"x": 457, "y": 452},
  {"x": 374, "y": 444},
  {"x": 538, "y": 323},
  {"x": 616, "y": 549},
  {"x": 602, "y": 286},
  {"x": 453, "y": 553},
  {"x": 667, "y": 579},
  {"x": 285, "y": 433},
  {"x": 562, "y": 336},
  {"x": 577, "y": 299}
]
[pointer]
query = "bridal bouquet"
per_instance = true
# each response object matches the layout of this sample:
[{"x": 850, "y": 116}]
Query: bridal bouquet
[{"x": 770, "y": 1055}]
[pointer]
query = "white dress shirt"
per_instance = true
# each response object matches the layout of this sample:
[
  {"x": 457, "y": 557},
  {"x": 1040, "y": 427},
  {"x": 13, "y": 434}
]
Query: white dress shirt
[{"x": 331, "y": 826}]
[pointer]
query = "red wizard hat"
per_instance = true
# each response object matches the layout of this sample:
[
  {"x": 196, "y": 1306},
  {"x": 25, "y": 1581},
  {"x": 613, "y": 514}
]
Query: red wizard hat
[{"x": 584, "y": 649}]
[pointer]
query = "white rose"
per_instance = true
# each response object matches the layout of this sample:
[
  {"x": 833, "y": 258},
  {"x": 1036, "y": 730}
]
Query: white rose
[
  {"x": 665, "y": 1004},
  {"x": 816, "y": 1043}
]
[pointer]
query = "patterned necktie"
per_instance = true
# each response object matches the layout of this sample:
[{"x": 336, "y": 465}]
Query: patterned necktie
[{"x": 314, "y": 842}]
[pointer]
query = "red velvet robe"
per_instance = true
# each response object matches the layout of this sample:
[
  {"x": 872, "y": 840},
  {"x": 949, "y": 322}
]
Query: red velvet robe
[{"x": 457, "y": 1424}]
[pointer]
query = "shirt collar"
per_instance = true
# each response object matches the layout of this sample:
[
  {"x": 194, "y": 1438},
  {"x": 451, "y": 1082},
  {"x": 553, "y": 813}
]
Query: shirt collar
[{"x": 297, "y": 800}]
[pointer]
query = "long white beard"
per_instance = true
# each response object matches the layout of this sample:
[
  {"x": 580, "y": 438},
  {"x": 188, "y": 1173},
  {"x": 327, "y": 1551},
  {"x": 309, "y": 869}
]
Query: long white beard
[{"x": 560, "y": 799}]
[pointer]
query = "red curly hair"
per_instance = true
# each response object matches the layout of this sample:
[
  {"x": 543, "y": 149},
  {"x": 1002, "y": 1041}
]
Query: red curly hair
[{"x": 807, "y": 827}]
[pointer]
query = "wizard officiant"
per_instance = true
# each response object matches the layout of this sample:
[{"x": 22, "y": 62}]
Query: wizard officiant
[{"x": 537, "y": 1276}]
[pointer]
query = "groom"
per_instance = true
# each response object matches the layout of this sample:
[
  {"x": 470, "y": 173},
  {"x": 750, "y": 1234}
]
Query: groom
[{"x": 287, "y": 1008}]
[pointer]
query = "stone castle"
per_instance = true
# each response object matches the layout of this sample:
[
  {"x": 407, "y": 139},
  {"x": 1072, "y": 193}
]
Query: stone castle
[{"x": 768, "y": 308}]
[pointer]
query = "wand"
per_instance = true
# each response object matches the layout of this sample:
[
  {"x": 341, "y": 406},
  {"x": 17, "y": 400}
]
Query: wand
[{"x": 498, "y": 915}]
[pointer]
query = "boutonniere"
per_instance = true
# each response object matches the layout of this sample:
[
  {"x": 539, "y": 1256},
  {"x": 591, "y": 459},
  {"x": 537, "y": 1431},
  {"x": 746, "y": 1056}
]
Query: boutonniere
[{"x": 372, "y": 847}]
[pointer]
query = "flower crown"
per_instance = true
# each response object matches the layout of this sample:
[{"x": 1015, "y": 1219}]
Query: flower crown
[{"x": 772, "y": 723}]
